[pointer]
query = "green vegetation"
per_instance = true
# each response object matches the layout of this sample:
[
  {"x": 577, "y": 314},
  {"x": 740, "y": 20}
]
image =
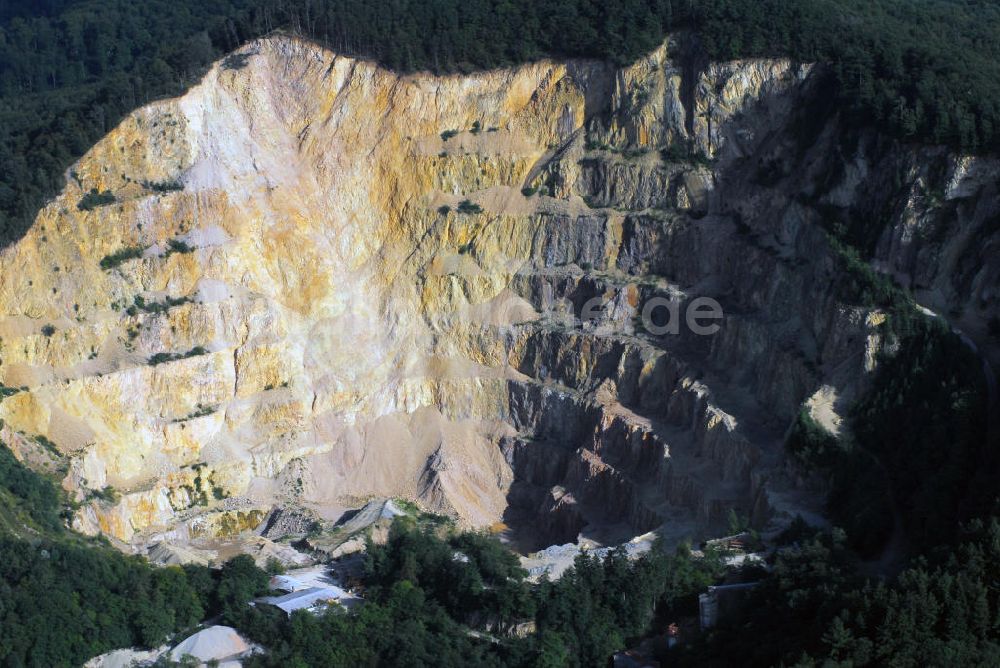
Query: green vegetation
[
  {"x": 64, "y": 598},
  {"x": 6, "y": 391},
  {"x": 469, "y": 207},
  {"x": 274, "y": 566},
  {"x": 528, "y": 191},
  {"x": 119, "y": 257},
  {"x": 925, "y": 422},
  {"x": 200, "y": 411},
  {"x": 161, "y": 358},
  {"x": 428, "y": 590},
  {"x": 924, "y": 71},
  {"x": 178, "y": 246},
  {"x": 861, "y": 284},
  {"x": 48, "y": 445},
  {"x": 407, "y": 506},
  {"x": 920, "y": 459},
  {"x": 448, "y": 134},
  {"x": 199, "y": 489},
  {"x": 108, "y": 494},
  {"x": 163, "y": 186},
  {"x": 48, "y": 330},
  {"x": 139, "y": 303},
  {"x": 94, "y": 199},
  {"x": 27, "y": 494},
  {"x": 680, "y": 152},
  {"x": 993, "y": 327},
  {"x": 814, "y": 609},
  {"x": 69, "y": 71},
  {"x": 236, "y": 61},
  {"x": 811, "y": 444}
]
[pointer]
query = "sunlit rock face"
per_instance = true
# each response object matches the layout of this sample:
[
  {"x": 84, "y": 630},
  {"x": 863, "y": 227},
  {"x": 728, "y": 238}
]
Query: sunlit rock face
[{"x": 287, "y": 302}]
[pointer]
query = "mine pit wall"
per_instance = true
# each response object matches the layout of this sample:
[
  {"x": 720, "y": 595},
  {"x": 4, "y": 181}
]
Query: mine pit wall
[
  {"x": 562, "y": 409},
  {"x": 778, "y": 275},
  {"x": 784, "y": 328},
  {"x": 667, "y": 178},
  {"x": 676, "y": 244},
  {"x": 787, "y": 330},
  {"x": 624, "y": 468}
]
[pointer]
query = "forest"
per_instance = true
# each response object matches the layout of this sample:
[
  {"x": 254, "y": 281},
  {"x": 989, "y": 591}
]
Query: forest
[
  {"x": 70, "y": 70},
  {"x": 422, "y": 603},
  {"x": 817, "y": 608},
  {"x": 438, "y": 596},
  {"x": 814, "y": 606},
  {"x": 65, "y": 598},
  {"x": 919, "y": 72}
]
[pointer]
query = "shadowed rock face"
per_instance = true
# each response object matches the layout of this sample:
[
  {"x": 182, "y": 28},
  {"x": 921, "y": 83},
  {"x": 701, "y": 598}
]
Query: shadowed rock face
[{"x": 311, "y": 316}]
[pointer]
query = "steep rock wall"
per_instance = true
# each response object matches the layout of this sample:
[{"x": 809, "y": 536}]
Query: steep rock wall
[{"x": 313, "y": 317}]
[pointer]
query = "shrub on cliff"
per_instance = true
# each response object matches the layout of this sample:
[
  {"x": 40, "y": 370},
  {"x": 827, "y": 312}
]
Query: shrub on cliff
[
  {"x": 178, "y": 246},
  {"x": 161, "y": 358},
  {"x": 94, "y": 199},
  {"x": 119, "y": 257},
  {"x": 140, "y": 303},
  {"x": 162, "y": 187},
  {"x": 469, "y": 207}
]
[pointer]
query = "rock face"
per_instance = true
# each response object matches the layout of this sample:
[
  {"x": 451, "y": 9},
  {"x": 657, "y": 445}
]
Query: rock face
[{"x": 320, "y": 281}]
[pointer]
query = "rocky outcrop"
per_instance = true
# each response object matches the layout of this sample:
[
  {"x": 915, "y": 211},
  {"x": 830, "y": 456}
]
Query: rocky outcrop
[{"x": 319, "y": 282}]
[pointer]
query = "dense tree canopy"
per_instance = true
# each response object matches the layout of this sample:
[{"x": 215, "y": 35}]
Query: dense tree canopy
[
  {"x": 453, "y": 599},
  {"x": 813, "y": 606},
  {"x": 814, "y": 609},
  {"x": 64, "y": 599}
]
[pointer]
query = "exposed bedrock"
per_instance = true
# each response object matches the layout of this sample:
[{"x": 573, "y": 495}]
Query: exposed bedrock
[{"x": 322, "y": 282}]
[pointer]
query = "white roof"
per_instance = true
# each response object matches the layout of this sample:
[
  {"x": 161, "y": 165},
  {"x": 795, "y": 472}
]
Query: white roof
[
  {"x": 306, "y": 598},
  {"x": 215, "y": 642}
]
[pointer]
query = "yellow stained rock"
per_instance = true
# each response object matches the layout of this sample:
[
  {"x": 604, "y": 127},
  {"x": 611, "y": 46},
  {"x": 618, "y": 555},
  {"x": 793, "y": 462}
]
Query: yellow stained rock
[{"x": 275, "y": 286}]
